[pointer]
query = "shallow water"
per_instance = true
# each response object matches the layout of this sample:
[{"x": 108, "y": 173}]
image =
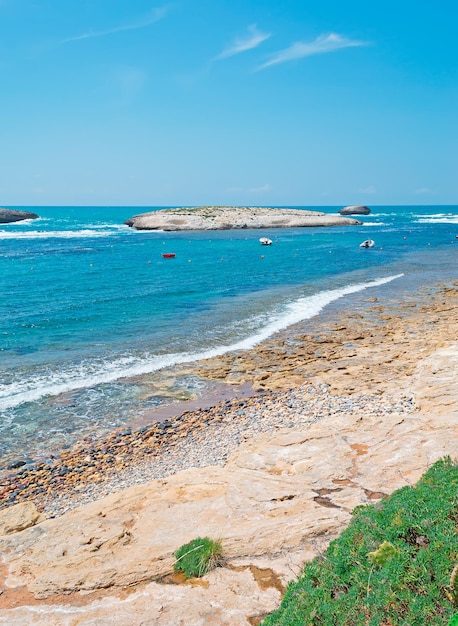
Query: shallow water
[{"x": 90, "y": 308}]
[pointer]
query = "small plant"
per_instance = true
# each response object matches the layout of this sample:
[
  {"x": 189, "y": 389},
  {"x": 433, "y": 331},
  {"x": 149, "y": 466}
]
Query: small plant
[
  {"x": 453, "y": 620},
  {"x": 385, "y": 552},
  {"x": 197, "y": 557}
]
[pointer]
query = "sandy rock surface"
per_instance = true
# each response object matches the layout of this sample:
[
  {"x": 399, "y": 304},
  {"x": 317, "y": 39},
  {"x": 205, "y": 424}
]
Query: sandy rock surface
[
  {"x": 19, "y": 517},
  {"x": 227, "y": 218}
]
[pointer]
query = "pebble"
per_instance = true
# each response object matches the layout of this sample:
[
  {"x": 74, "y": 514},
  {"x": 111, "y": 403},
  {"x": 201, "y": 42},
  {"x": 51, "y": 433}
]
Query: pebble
[{"x": 93, "y": 469}]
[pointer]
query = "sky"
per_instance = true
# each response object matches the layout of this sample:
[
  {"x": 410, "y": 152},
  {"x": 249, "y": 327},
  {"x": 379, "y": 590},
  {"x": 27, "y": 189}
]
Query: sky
[{"x": 235, "y": 102}]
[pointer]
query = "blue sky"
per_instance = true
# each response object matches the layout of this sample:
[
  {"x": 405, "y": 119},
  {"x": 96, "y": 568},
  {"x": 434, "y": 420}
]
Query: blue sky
[{"x": 253, "y": 102}]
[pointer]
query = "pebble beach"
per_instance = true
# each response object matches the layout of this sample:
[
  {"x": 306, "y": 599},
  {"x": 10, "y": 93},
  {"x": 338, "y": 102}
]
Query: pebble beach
[{"x": 299, "y": 377}]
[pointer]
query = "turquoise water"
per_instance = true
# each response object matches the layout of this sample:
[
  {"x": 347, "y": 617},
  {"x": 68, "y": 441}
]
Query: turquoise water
[{"x": 88, "y": 303}]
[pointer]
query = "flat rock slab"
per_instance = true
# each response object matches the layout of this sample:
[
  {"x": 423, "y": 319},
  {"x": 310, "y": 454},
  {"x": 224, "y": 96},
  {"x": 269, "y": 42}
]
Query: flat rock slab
[{"x": 228, "y": 218}]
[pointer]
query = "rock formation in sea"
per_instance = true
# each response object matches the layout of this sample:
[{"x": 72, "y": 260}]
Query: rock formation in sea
[
  {"x": 228, "y": 218},
  {"x": 11, "y": 215},
  {"x": 355, "y": 210}
]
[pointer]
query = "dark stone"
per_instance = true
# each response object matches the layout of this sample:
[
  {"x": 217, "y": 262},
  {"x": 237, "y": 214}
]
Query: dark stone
[
  {"x": 11, "y": 215},
  {"x": 355, "y": 210},
  {"x": 16, "y": 464}
]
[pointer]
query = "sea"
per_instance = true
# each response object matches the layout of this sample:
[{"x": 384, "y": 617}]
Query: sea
[{"x": 93, "y": 317}]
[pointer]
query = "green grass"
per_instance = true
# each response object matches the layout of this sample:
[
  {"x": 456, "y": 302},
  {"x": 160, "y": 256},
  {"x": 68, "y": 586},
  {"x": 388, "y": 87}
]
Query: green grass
[
  {"x": 392, "y": 566},
  {"x": 197, "y": 557}
]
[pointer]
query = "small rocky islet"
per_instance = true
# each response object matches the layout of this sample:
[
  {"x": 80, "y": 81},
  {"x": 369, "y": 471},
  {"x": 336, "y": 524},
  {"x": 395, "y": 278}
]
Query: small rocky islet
[
  {"x": 8, "y": 216},
  {"x": 355, "y": 210},
  {"x": 232, "y": 218}
]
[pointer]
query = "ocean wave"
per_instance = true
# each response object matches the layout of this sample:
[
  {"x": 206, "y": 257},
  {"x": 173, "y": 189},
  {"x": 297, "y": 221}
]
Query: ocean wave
[
  {"x": 97, "y": 372},
  {"x": 439, "y": 218},
  {"x": 59, "y": 234},
  {"x": 375, "y": 224},
  {"x": 110, "y": 226}
]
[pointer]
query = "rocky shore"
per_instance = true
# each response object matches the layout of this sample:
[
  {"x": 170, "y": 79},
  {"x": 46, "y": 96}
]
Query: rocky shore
[
  {"x": 227, "y": 218},
  {"x": 339, "y": 416}
]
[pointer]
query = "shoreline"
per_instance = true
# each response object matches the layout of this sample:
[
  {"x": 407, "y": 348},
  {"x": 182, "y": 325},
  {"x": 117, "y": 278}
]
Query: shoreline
[
  {"x": 275, "y": 476},
  {"x": 349, "y": 362}
]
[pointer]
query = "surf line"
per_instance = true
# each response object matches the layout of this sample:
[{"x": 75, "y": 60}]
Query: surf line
[{"x": 127, "y": 367}]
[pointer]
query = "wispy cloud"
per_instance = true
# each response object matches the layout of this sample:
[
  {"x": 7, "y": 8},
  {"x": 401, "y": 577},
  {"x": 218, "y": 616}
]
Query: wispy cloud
[
  {"x": 370, "y": 189},
  {"x": 262, "y": 189},
  {"x": 423, "y": 191},
  {"x": 252, "y": 40},
  {"x": 150, "y": 18},
  {"x": 321, "y": 45},
  {"x": 251, "y": 190}
]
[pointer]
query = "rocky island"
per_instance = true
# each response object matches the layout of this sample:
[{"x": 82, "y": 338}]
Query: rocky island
[
  {"x": 8, "y": 216},
  {"x": 355, "y": 210},
  {"x": 228, "y": 218}
]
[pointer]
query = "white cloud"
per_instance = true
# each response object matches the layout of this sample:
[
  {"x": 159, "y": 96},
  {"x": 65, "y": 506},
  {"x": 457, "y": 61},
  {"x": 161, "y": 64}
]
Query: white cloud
[
  {"x": 253, "y": 40},
  {"x": 423, "y": 191},
  {"x": 370, "y": 189},
  {"x": 262, "y": 189},
  {"x": 321, "y": 45},
  {"x": 252, "y": 190},
  {"x": 153, "y": 16}
]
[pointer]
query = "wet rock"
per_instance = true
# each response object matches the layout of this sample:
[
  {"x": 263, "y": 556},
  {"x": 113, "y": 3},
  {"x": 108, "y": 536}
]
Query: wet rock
[{"x": 16, "y": 464}]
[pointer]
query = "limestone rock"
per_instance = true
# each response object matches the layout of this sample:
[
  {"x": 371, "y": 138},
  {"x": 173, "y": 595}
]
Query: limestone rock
[
  {"x": 222, "y": 598},
  {"x": 19, "y": 517},
  {"x": 12, "y": 215},
  {"x": 227, "y": 218},
  {"x": 355, "y": 210}
]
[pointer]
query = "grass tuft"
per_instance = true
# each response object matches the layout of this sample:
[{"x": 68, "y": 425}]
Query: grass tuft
[{"x": 197, "y": 557}]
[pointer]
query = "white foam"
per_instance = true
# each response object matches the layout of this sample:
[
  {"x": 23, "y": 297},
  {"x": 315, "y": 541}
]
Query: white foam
[
  {"x": 95, "y": 373},
  {"x": 439, "y": 218},
  {"x": 59, "y": 234},
  {"x": 374, "y": 224},
  {"x": 110, "y": 226}
]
